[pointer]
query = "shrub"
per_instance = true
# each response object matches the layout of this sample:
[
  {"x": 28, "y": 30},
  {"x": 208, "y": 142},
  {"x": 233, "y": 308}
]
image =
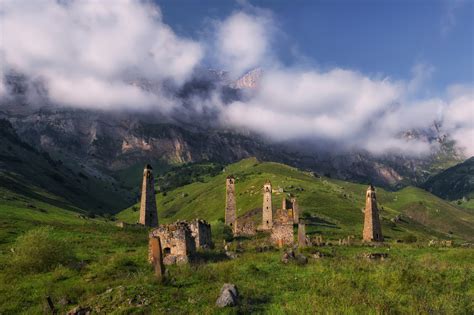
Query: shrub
[
  {"x": 409, "y": 238},
  {"x": 39, "y": 250}
]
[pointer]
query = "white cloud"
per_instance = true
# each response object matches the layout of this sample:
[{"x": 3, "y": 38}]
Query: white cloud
[
  {"x": 242, "y": 41},
  {"x": 83, "y": 49},
  {"x": 91, "y": 45}
]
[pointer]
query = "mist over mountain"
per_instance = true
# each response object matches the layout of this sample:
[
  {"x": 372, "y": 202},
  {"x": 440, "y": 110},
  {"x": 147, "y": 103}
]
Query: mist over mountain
[{"x": 119, "y": 86}]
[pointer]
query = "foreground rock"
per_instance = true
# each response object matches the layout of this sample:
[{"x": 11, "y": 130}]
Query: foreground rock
[
  {"x": 229, "y": 296},
  {"x": 287, "y": 256},
  {"x": 376, "y": 256},
  {"x": 80, "y": 310}
]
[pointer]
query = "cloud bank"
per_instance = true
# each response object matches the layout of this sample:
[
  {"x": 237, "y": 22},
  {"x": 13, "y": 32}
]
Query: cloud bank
[{"x": 89, "y": 55}]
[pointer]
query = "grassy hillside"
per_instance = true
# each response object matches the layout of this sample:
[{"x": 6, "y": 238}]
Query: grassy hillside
[
  {"x": 23, "y": 166},
  {"x": 49, "y": 249},
  {"x": 335, "y": 207},
  {"x": 455, "y": 183}
]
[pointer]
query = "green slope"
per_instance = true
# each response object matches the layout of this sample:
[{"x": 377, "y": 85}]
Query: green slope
[
  {"x": 455, "y": 183},
  {"x": 334, "y": 207},
  {"x": 23, "y": 166}
]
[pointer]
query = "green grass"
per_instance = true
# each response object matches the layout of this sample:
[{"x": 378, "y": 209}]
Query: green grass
[
  {"x": 335, "y": 205},
  {"x": 108, "y": 269}
]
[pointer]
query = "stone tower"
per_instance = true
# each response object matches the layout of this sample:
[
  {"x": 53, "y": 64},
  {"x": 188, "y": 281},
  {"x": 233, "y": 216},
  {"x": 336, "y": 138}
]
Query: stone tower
[
  {"x": 267, "y": 211},
  {"x": 148, "y": 213},
  {"x": 372, "y": 227},
  {"x": 230, "y": 204}
]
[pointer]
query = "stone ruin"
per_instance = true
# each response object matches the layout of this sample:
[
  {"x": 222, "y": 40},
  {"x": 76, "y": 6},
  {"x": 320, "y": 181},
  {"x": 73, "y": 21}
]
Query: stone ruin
[
  {"x": 282, "y": 234},
  {"x": 230, "y": 203},
  {"x": 180, "y": 240},
  {"x": 372, "y": 227},
  {"x": 177, "y": 242},
  {"x": 201, "y": 231},
  {"x": 148, "y": 212},
  {"x": 267, "y": 209},
  {"x": 245, "y": 225}
]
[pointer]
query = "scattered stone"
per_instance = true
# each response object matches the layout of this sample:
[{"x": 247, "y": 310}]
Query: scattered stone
[
  {"x": 397, "y": 218},
  {"x": 231, "y": 255},
  {"x": 301, "y": 259},
  {"x": 80, "y": 310},
  {"x": 229, "y": 296},
  {"x": 287, "y": 256},
  {"x": 318, "y": 255},
  {"x": 376, "y": 256},
  {"x": 440, "y": 243}
]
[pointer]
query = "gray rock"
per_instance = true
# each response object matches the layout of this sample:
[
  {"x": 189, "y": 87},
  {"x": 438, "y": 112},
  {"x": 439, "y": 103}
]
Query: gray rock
[
  {"x": 80, "y": 310},
  {"x": 229, "y": 296},
  {"x": 287, "y": 256},
  {"x": 301, "y": 259},
  {"x": 376, "y": 256}
]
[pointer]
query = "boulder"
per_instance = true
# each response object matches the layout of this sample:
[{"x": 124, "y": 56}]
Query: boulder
[
  {"x": 287, "y": 256},
  {"x": 80, "y": 310},
  {"x": 318, "y": 255},
  {"x": 301, "y": 259},
  {"x": 229, "y": 296}
]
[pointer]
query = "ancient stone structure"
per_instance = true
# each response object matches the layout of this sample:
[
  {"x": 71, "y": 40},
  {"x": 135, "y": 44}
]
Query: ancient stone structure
[
  {"x": 296, "y": 211},
  {"x": 372, "y": 228},
  {"x": 156, "y": 256},
  {"x": 284, "y": 216},
  {"x": 282, "y": 234},
  {"x": 302, "y": 242},
  {"x": 286, "y": 204},
  {"x": 267, "y": 210},
  {"x": 230, "y": 204},
  {"x": 148, "y": 212},
  {"x": 201, "y": 231},
  {"x": 177, "y": 242}
]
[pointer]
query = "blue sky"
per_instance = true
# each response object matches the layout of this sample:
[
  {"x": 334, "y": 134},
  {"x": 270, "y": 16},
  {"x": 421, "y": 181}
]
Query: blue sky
[{"x": 385, "y": 38}]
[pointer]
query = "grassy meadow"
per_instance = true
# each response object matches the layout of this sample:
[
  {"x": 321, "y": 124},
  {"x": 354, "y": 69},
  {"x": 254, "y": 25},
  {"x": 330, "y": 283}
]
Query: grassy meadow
[{"x": 50, "y": 248}]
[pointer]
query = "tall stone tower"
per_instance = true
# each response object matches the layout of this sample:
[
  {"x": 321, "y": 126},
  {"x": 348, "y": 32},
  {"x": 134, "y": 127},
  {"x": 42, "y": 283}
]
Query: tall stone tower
[
  {"x": 230, "y": 204},
  {"x": 148, "y": 213},
  {"x": 267, "y": 210},
  {"x": 372, "y": 227}
]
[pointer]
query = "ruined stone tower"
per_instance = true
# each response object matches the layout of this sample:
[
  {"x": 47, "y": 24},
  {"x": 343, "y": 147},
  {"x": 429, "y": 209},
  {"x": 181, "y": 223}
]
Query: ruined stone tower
[
  {"x": 267, "y": 212},
  {"x": 296, "y": 210},
  {"x": 372, "y": 227},
  {"x": 148, "y": 213},
  {"x": 230, "y": 204}
]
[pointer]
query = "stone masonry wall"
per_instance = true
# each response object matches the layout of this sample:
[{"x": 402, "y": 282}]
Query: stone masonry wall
[
  {"x": 201, "y": 231},
  {"x": 177, "y": 242},
  {"x": 372, "y": 228},
  {"x": 148, "y": 212},
  {"x": 230, "y": 202},
  {"x": 267, "y": 210}
]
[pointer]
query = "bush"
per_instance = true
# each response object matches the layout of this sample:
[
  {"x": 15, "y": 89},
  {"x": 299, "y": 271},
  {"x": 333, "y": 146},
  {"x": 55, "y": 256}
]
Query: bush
[
  {"x": 39, "y": 250},
  {"x": 409, "y": 238}
]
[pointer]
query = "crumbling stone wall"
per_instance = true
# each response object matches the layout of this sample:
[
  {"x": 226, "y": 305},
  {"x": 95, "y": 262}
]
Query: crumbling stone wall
[
  {"x": 282, "y": 234},
  {"x": 148, "y": 212},
  {"x": 230, "y": 202},
  {"x": 284, "y": 216},
  {"x": 296, "y": 210},
  {"x": 267, "y": 210},
  {"x": 201, "y": 231},
  {"x": 372, "y": 228},
  {"x": 177, "y": 242}
]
